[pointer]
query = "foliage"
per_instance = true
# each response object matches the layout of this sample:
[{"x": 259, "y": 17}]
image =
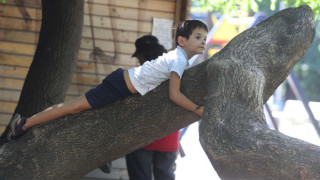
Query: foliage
[
  {"x": 240, "y": 7},
  {"x": 3, "y": 1}
]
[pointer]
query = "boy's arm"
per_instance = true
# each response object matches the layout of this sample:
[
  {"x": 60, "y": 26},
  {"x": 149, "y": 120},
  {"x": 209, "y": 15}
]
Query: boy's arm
[{"x": 179, "y": 98}]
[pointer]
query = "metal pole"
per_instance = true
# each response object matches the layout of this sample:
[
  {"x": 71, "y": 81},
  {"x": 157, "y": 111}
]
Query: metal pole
[
  {"x": 274, "y": 123},
  {"x": 298, "y": 92}
]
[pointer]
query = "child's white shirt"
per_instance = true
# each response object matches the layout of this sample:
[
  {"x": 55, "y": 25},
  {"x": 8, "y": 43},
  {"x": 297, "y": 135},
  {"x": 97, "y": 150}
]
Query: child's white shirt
[{"x": 152, "y": 73}]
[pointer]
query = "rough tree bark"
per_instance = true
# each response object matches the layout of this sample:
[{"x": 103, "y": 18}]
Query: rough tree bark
[
  {"x": 51, "y": 70},
  {"x": 236, "y": 138},
  {"x": 53, "y": 61},
  {"x": 242, "y": 77}
]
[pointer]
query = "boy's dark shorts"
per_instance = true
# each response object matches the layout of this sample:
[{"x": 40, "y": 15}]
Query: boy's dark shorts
[{"x": 112, "y": 88}]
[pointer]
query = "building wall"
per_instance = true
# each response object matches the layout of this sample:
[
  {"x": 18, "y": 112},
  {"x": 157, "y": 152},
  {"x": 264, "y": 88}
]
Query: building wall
[{"x": 109, "y": 32}]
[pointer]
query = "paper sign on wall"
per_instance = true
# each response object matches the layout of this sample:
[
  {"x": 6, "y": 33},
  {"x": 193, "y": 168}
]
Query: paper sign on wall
[{"x": 162, "y": 29}]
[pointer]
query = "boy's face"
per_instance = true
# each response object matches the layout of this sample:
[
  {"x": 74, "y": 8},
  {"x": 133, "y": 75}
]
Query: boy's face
[{"x": 196, "y": 44}]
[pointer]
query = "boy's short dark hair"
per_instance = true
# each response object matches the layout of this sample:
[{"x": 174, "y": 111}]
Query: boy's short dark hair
[
  {"x": 148, "y": 46},
  {"x": 186, "y": 28}
]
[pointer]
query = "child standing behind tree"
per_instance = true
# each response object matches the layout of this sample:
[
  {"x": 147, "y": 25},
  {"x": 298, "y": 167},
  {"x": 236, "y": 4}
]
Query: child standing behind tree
[
  {"x": 190, "y": 39},
  {"x": 156, "y": 159}
]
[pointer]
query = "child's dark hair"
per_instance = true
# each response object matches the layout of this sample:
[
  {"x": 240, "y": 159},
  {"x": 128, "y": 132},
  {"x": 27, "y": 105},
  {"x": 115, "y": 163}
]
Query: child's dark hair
[
  {"x": 148, "y": 46},
  {"x": 186, "y": 28},
  {"x": 155, "y": 51}
]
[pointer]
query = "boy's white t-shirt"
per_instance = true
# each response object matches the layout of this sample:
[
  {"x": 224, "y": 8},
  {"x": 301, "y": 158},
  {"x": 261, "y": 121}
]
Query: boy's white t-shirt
[{"x": 152, "y": 73}]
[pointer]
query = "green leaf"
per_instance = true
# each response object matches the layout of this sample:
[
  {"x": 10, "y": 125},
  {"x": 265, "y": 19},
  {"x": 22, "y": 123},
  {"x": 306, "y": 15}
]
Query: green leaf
[{"x": 240, "y": 7}]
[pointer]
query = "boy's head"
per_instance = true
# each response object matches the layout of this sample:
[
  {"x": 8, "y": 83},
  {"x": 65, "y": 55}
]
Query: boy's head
[
  {"x": 148, "y": 48},
  {"x": 186, "y": 28}
]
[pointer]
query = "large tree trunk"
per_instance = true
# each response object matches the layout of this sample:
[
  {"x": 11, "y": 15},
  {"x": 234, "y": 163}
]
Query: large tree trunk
[
  {"x": 242, "y": 77},
  {"x": 234, "y": 134},
  {"x": 51, "y": 70}
]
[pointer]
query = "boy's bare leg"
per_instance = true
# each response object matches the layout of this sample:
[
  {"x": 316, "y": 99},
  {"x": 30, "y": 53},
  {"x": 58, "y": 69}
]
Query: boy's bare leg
[{"x": 69, "y": 107}]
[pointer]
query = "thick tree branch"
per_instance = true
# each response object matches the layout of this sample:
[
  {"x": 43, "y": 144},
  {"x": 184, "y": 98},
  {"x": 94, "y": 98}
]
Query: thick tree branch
[
  {"x": 243, "y": 75},
  {"x": 72, "y": 146}
]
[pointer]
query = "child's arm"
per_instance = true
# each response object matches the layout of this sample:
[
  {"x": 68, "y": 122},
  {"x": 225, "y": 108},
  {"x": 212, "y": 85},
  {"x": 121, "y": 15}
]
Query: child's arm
[{"x": 179, "y": 98}]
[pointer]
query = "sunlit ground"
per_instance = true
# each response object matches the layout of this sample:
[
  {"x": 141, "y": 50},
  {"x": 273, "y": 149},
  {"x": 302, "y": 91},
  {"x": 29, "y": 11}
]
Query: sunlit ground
[
  {"x": 195, "y": 164},
  {"x": 294, "y": 121}
]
